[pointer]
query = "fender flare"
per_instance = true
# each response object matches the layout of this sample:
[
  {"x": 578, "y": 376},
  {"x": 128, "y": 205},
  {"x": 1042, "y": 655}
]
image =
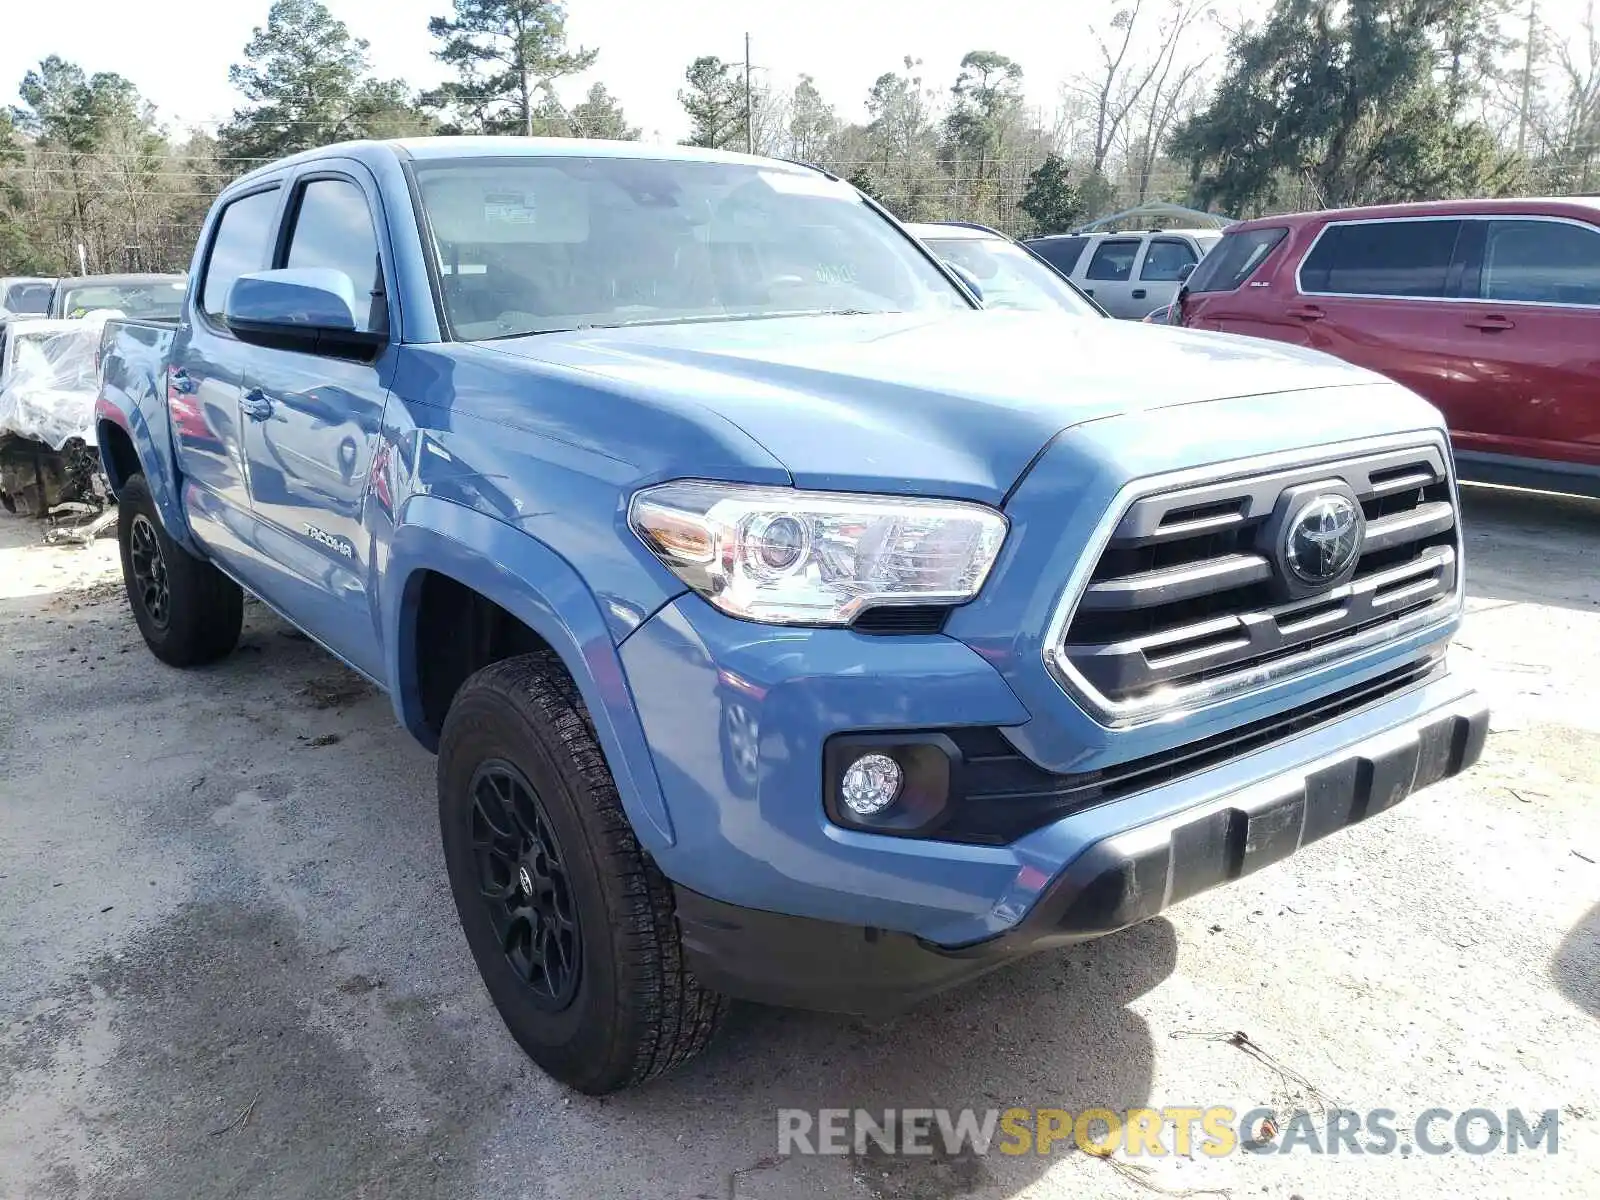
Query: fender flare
[
  {"x": 540, "y": 588},
  {"x": 123, "y": 412}
]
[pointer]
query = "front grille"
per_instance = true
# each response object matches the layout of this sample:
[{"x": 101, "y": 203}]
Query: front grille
[
  {"x": 1003, "y": 795},
  {"x": 1191, "y": 598}
]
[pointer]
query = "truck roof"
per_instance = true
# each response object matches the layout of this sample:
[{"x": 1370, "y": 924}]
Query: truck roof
[{"x": 430, "y": 149}]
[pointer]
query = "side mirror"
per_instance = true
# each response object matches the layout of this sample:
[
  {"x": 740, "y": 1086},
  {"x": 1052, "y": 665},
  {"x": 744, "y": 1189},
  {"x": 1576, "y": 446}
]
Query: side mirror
[
  {"x": 968, "y": 280},
  {"x": 303, "y": 309},
  {"x": 1185, "y": 271}
]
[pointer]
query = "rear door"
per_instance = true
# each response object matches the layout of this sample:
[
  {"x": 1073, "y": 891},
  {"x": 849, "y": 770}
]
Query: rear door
[
  {"x": 205, "y": 374},
  {"x": 1531, "y": 333},
  {"x": 1108, "y": 275},
  {"x": 1378, "y": 293},
  {"x": 312, "y": 422}
]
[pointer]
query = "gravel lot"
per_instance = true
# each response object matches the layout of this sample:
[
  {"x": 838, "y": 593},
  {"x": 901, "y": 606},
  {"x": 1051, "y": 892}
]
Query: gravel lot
[{"x": 229, "y": 965}]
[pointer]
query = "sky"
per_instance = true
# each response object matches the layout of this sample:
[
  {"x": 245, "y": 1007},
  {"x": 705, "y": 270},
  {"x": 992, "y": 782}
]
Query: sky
[{"x": 177, "y": 51}]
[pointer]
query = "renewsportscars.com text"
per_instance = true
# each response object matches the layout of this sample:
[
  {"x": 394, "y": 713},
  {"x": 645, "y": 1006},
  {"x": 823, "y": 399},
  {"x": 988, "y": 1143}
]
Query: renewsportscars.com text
[{"x": 1156, "y": 1132}]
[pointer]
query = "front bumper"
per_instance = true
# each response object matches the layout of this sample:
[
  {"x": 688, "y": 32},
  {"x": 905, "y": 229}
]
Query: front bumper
[
  {"x": 1115, "y": 881},
  {"x": 737, "y": 717}
]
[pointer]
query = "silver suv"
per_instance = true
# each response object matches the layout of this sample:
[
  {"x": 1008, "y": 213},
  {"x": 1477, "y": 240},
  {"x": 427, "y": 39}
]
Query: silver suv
[{"x": 1128, "y": 273}]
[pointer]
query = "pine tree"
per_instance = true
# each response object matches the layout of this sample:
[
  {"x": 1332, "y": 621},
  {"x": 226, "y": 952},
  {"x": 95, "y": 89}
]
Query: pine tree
[
  {"x": 308, "y": 83},
  {"x": 507, "y": 55}
]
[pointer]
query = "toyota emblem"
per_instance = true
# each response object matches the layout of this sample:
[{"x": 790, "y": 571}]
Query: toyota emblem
[{"x": 1323, "y": 539}]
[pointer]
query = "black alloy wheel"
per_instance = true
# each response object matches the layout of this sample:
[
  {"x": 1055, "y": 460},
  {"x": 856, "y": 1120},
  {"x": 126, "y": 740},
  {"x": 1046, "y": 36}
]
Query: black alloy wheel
[
  {"x": 150, "y": 571},
  {"x": 522, "y": 876}
]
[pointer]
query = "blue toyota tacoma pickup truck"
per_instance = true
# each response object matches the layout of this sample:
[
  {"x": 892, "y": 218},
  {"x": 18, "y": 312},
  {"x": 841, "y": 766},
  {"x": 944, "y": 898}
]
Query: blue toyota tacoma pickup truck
[{"x": 787, "y": 627}]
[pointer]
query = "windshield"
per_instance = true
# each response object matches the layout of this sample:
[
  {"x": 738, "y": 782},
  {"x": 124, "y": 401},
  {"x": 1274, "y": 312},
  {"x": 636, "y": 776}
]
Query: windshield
[
  {"x": 1011, "y": 277},
  {"x": 159, "y": 301},
  {"x": 32, "y": 299},
  {"x": 535, "y": 245}
]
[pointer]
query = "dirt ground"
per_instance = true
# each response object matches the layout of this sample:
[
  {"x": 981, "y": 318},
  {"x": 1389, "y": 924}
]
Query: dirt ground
[{"x": 229, "y": 965}]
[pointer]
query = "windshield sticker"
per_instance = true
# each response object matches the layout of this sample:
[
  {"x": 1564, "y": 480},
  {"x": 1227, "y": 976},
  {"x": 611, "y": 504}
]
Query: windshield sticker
[{"x": 510, "y": 208}]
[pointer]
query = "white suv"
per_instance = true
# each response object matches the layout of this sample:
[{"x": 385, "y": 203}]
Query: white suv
[{"x": 1129, "y": 274}]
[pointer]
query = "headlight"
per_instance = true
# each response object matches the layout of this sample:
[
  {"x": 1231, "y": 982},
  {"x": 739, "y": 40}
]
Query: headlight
[{"x": 788, "y": 557}]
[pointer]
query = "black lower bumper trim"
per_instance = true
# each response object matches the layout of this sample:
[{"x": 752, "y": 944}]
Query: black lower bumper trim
[{"x": 1119, "y": 881}]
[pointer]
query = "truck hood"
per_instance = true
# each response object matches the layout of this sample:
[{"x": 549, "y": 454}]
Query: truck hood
[{"x": 951, "y": 404}]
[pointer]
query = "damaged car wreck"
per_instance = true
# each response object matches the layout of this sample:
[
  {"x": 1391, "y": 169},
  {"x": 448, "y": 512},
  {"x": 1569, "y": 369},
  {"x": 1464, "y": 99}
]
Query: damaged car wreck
[{"x": 49, "y": 462}]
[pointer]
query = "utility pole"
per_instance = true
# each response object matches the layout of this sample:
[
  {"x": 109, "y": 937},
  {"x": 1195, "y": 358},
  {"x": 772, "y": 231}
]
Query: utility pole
[
  {"x": 749, "y": 103},
  {"x": 1527, "y": 77}
]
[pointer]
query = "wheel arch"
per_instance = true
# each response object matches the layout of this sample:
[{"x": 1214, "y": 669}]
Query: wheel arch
[{"x": 462, "y": 590}]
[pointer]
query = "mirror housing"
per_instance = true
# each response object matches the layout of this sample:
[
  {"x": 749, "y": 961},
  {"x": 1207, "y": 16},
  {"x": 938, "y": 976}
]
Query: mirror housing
[
  {"x": 1185, "y": 271},
  {"x": 968, "y": 280},
  {"x": 311, "y": 309}
]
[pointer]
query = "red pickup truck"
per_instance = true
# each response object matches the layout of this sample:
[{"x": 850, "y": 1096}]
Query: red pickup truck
[{"x": 1488, "y": 308}]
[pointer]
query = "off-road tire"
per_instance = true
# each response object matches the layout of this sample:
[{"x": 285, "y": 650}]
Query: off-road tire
[
  {"x": 203, "y": 609},
  {"x": 637, "y": 1010}
]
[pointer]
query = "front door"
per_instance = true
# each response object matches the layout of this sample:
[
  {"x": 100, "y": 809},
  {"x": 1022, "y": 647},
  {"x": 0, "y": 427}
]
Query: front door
[{"x": 311, "y": 425}]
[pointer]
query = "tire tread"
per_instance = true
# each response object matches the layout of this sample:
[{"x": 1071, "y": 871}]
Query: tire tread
[{"x": 660, "y": 1008}]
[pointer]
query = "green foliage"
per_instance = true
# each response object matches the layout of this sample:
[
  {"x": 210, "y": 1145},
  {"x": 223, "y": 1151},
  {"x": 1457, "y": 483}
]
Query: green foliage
[
  {"x": 307, "y": 82},
  {"x": 986, "y": 100},
  {"x": 1052, "y": 202},
  {"x": 1345, "y": 95},
  {"x": 715, "y": 102},
  {"x": 901, "y": 126},
  {"x": 812, "y": 122},
  {"x": 599, "y": 115},
  {"x": 507, "y": 55},
  {"x": 18, "y": 254},
  {"x": 861, "y": 179}
]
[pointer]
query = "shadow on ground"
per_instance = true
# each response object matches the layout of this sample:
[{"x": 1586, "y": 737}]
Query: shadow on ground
[
  {"x": 1576, "y": 965},
  {"x": 1055, "y": 1030},
  {"x": 1531, "y": 547}
]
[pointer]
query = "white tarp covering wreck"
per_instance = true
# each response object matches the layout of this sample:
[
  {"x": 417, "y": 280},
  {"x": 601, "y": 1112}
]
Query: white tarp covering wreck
[{"x": 49, "y": 379}]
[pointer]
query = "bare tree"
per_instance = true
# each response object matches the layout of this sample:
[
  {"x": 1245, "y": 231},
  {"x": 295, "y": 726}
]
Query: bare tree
[
  {"x": 1176, "y": 85},
  {"x": 1121, "y": 85}
]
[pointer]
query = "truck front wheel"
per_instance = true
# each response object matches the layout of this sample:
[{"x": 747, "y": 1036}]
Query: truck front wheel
[
  {"x": 188, "y": 611},
  {"x": 572, "y": 926}
]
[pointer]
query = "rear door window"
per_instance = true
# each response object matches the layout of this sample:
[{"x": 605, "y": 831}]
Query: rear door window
[
  {"x": 1541, "y": 262},
  {"x": 1235, "y": 258},
  {"x": 1166, "y": 260},
  {"x": 1402, "y": 259},
  {"x": 242, "y": 244},
  {"x": 1113, "y": 261}
]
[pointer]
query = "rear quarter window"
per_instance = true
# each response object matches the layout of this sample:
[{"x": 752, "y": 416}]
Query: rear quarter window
[
  {"x": 1060, "y": 253},
  {"x": 1234, "y": 259},
  {"x": 1542, "y": 262}
]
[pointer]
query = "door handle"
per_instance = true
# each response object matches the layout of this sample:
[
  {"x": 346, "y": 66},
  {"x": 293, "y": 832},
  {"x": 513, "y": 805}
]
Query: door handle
[
  {"x": 1138, "y": 293},
  {"x": 1088, "y": 291},
  {"x": 183, "y": 384},
  {"x": 1491, "y": 323},
  {"x": 1306, "y": 312},
  {"x": 255, "y": 405}
]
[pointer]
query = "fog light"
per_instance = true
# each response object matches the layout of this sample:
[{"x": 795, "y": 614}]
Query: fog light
[{"x": 870, "y": 784}]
